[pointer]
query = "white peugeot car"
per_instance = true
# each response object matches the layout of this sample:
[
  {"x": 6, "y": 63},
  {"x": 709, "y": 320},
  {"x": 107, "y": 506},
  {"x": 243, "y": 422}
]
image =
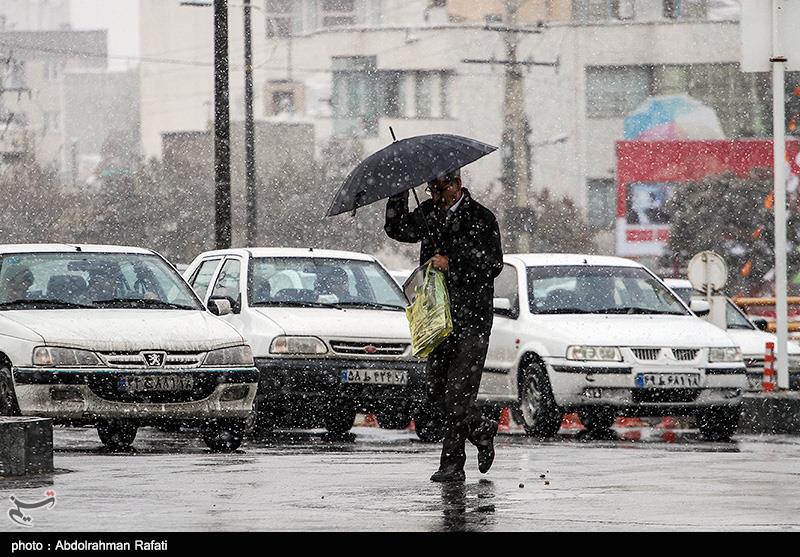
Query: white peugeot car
[
  {"x": 750, "y": 338},
  {"x": 603, "y": 336},
  {"x": 114, "y": 337},
  {"x": 328, "y": 331}
]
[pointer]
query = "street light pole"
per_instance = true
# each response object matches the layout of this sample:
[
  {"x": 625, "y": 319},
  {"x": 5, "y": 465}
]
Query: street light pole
[
  {"x": 249, "y": 132},
  {"x": 222, "y": 132}
]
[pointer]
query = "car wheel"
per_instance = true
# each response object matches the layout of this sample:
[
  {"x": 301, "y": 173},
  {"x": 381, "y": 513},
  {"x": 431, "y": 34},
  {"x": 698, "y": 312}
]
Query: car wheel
[
  {"x": 223, "y": 436},
  {"x": 537, "y": 409},
  {"x": 393, "y": 417},
  {"x": 8, "y": 396},
  {"x": 339, "y": 417},
  {"x": 117, "y": 434},
  {"x": 428, "y": 424},
  {"x": 718, "y": 424},
  {"x": 598, "y": 420}
]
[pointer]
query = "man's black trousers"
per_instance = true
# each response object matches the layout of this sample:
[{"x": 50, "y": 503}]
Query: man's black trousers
[{"x": 454, "y": 376}]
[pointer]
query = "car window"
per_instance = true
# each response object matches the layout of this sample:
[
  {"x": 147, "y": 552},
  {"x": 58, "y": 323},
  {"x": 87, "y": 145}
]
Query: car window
[
  {"x": 735, "y": 319},
  {"x": 202, "y": 276},
  {"x": 599, "y": 289},
  {"x": 95, "y": 280},
  {"x": 507, "y": 286},
  {"x": 227, "y": 284}
]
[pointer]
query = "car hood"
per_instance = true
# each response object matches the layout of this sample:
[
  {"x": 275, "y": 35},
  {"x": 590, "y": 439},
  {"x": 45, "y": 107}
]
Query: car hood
[
  {"x": 627, "y": 330},
  {"x": 128, "y": 329},
  {"x": 753, "y": 342},
  {"x": 344, "y": 323}
]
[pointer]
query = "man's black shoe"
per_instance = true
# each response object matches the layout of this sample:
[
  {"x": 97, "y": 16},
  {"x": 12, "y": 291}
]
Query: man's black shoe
[
  {"x": 448, "y": 476},
  {"x": 485, "y": 455}
]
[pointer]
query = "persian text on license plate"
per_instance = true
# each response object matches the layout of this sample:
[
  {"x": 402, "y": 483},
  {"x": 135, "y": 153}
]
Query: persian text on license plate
[
  {"x": 374, "y": 376},
  {"x": 667, "y": 380},
  {"x": 166, "y": 382}
]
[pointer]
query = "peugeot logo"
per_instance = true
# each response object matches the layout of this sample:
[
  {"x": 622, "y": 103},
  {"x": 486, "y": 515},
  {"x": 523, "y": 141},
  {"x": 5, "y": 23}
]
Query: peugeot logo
[
  {"x": 370, "y": 349},
  {"x": 154, "y": 359}
]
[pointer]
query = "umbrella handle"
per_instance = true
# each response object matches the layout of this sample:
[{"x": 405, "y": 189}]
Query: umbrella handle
[{"x": 424, "y": 220}]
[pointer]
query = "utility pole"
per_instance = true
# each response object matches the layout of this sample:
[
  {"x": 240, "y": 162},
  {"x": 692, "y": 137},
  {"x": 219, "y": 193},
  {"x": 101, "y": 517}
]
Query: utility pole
[
  {"x": 249, "y": 133},
  {"x": 516, "y": 148},
  {"x": 222, "y": 132}
]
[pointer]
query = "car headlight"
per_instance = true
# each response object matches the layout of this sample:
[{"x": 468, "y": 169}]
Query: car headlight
[
  {"x": 730, "y": 354},
  {"x": 594, "y": 353},
  {"x": 234, "y": 356},
  {"x": 64, "y": 357},
  {"x": 297, "y": 345}
]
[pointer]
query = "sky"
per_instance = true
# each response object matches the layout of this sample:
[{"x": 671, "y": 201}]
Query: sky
[{"x": 120, "y": 17}]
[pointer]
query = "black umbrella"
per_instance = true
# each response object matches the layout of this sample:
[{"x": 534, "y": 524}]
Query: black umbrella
[{"x": 403, "y": 165}]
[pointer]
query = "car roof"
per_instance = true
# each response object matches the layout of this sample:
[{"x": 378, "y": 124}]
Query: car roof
[
  {"x": 291, "y": 252},
  {"x": 70, "y": 248},
  {"x": 555, "y": 259}
]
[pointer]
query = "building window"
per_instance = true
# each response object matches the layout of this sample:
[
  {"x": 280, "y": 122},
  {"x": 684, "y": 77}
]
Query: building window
[
  {"x": 614, "y": 91},
  {"x": 338, "y": 13},
  {"x": 282, "y": 17},
  {"x": 588, "y": 11},
  {"x": 430, "y": 94},
  {"x": 601, "y": 203},
  {"x": 283, "y": 97},
  {"x": 52, "y": 122},
  {"x": 685, "y": 9},
  {"x": 53, "y": 70}
]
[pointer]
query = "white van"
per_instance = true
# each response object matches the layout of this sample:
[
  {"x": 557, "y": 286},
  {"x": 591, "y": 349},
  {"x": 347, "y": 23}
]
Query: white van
[{"x": 114, "y": 337}]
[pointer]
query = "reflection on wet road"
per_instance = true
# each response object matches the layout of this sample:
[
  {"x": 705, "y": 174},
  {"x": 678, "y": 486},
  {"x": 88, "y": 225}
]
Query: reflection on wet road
[{"x": 373, "y": 479}]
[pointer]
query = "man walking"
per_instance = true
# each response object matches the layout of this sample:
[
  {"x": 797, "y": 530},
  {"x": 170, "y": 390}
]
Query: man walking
[{"x": 461, "y": 238}]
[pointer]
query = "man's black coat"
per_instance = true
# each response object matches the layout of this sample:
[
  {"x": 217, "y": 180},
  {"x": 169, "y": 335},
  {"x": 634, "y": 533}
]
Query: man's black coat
[{"x": 470, "y": 238}]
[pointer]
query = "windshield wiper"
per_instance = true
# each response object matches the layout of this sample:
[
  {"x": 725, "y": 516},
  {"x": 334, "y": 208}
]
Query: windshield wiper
[
  {"x": 637, "y": 311},
  {"x": 560, "y": 310},
  {"x": 375, "y": 305},
  {"x": 295, "y": 304},
  {"x": 42, "y": 303},
  {"x": 139, "y": 303}
]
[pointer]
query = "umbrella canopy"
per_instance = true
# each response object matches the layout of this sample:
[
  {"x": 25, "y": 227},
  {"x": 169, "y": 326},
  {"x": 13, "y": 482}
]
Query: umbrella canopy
[
  {"x": 672, "y": 118},
  {"x": 403, "y": 165}
]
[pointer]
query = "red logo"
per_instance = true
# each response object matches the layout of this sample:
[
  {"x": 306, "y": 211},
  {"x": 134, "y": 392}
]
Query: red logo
[{"x": 370, "y": 349}]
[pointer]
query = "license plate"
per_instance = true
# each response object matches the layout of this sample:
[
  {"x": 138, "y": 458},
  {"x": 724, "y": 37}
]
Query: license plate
[
  {"x": 165, "y": 382},
  {"x": 374, "y": 376},
  {"x": 667, "y": 380}
]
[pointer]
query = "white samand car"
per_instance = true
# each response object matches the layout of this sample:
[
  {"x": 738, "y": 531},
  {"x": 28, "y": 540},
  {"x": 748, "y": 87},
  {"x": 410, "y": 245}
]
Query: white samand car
[
  {"x": 744, "y": 332},
  {"x": 328, "y": 332},
  {"x": 113, "y": 336},
  {"x": 602, "y": 336}
]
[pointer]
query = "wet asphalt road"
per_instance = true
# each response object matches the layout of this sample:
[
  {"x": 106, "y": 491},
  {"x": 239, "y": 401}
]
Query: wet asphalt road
[{"x": 373, "y": 479}]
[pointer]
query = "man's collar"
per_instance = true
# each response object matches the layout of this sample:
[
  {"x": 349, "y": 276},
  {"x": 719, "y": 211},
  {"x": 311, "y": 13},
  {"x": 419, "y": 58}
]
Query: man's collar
[{"x": 457, "y": 204}]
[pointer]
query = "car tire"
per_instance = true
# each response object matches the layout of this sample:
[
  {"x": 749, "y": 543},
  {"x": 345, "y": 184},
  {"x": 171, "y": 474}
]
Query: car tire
[
  {"x": 339, "y": 417},
  {"x": 718, "y": 424},
  {"x": 223, "y": 436},
  {"x": 393, "y": 417},
  {"x": 8, "y": 396},
  {"x": 428, "y": 424},
  {"x": 117, "y": 434},
  {"x": 598, "y": 420},
  {"x": 537, "y": 410}
]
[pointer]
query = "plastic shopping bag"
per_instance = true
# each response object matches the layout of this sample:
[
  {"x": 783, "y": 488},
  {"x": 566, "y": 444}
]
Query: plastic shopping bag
[{"x": 429, "y": 313}]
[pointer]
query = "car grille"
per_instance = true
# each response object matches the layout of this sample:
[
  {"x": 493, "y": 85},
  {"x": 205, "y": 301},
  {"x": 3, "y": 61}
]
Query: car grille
[
  {"x": 362, "y": 348},
  {"x": 664, "y": 395},
  {"x": 173, "y": 360},
  {"x": 685, "y": 354},
  {"x": 646, "y": 353},
  {"x": 754, "y": 364}
]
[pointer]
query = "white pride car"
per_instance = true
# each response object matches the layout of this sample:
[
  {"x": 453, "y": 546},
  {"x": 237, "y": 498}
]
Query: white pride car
[
  {"x": 603, "y": 336},
  {"x": 329, "y": 335},
  {"x": 114, "y": 337}
]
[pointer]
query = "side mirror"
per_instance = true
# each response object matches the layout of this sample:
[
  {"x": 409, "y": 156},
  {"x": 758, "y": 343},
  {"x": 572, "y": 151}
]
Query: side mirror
[
  {"x": 700, "y": 307},
  {"x": 220, "y": 306},
  {"x": 760, "y": 322},
  {"x": 502, "y": 306}
]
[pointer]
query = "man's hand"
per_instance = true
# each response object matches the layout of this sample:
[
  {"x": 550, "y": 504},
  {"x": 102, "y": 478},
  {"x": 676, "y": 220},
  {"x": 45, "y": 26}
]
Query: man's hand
[{"x": 440, "y": 262}]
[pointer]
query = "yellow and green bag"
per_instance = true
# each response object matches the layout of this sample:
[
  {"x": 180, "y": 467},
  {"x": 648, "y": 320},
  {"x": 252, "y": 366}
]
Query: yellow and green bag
[{"x": 429, "y": 313}]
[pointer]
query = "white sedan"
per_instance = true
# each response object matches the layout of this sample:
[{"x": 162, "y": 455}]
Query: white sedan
[{"x": 603, "y": 336}]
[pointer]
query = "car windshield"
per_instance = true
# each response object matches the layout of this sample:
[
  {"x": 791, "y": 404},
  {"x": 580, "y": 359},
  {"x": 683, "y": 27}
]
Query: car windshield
[
  {"x": 91, "y": 280},
  {"x": 599, "y": 289},
  {"x": 735, "y": 319},
  {"x": 322, "y": 282}
]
